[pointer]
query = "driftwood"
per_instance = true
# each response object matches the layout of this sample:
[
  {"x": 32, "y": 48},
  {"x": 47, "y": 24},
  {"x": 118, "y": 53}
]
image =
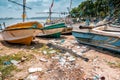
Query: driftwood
[{"x": 63, "y": 49}]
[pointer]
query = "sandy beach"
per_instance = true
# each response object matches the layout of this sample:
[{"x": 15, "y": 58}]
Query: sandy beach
[
  {"x": 42, "y": 62},
  {"x": 24, "y": 55}
]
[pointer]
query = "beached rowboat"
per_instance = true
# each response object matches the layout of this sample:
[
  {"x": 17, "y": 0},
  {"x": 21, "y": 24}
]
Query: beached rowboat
[
  {"x": 22, "y": 33},
  {"x": 104, "y": 36},
  {"x": 67, "y": 30},
  {"x": 52, "y": 31}
]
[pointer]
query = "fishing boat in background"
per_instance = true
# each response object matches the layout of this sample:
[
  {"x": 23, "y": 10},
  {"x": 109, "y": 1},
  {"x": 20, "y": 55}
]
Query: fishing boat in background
[
  {"x": 67, "y": 30},
  {"x": 52, "y": 31},
  {"x": 22, "y": 33},
  {"x": 103, "y": 36},
  {"x": 115, "y": 23},
  {"x": 55, "y": 24}
]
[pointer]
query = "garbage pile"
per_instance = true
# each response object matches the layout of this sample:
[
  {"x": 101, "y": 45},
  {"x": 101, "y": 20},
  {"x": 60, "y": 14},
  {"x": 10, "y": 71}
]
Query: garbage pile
[
  {"x": 71, "y": 47},
  {"x": 62, "y": 64}
]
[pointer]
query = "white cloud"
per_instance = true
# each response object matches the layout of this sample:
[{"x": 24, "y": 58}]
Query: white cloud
[{"x": 37, "y": 6}]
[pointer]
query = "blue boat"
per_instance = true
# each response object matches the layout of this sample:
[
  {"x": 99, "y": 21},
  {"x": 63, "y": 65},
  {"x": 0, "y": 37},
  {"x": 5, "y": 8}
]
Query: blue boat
[{"x": 106, "y": 36}]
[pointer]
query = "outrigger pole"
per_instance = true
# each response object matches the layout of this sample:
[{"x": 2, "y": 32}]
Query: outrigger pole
[
  {"x": 70, "y": 4},
  {"x": 50, "y": 12},
  {"x": 24, "y": 8}
]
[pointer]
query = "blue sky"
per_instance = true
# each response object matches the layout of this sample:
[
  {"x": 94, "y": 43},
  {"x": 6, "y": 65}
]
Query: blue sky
[{"x": 8, "y": 9}]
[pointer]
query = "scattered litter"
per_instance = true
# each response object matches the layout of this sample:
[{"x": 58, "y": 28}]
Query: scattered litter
[
  {"x": 31, "y": 70},
  {"x": 56, "y": 57},
  {"x": 15, "y": 62},
  {"x": 78, "y": 47},
  {"x": 44, "y": 52},
  {"x": 79, "y": 53},
  {"x": 43, "y": 60},
  {"x": 32, "y": 77},
  {"x": 67, "y": 54},
  {"x": 52, "y": 51},
  {"x": 62, "y": 41},
  {"x": 71, "y": 58},
  {"x": 96, "y": 58},
  {"x": 63, "y": 49},
  {"x": 62, "y": 61},
  {"x": 6, "y": 62},
  {"x": 97, "y": 77},
  {"x": 33, "y": 48},
  {"x": 74, "y": 51}
]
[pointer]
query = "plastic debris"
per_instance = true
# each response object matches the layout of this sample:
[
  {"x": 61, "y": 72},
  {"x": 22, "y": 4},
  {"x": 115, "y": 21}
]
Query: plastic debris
[
  {"x": 79, "y": 53},
  {"x": 33, "y": 48},
  {"x": 62, "y": 41},
  {"x": 67, "y": 54},
  {"x": 43, "y": 60},
  {"x": 44, "y": 52},
  {"x": 63, "y": 49},
  {"x": 78, "y": 47},
  {"x": 52, "y": 51},
  {"x": 6, "y": 62},
  {"x": 62, "y": 61},
  {"x": 14, "y": 62},
  {"x": 31, "y": 70},
  {"x": 97, "y": 77},
  {"x": 32, "y": 77},
  {"x": 71, "y": 58},
  {"x": 56, "y": 57},
  {"x": 74, "y": 51}
]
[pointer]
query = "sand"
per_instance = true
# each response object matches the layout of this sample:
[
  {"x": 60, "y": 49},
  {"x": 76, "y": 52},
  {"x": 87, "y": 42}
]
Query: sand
[
  {"x": 98, "y": 64},
  {"x": 102, "y": 63}
]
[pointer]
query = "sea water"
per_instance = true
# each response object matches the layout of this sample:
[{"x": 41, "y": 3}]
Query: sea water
[{"x": 14, "y": 21}]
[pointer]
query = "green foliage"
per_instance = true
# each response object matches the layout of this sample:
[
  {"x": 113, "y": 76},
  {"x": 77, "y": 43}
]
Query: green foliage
[
  {"x": 96, "y": 8},
  {"x": 6, "y": 69}
]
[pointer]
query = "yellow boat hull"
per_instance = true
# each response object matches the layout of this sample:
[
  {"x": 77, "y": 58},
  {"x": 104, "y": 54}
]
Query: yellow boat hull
[
  {"x": 17, "y": 34},
  {"x": 24, "y": 25},
  {"x": 26, "y": 40}
]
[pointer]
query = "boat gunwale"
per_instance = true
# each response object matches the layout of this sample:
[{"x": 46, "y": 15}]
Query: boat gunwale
[{"x": 95, "y": 33}]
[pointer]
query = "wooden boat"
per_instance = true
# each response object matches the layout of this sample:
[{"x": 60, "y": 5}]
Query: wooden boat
[
  {"x": 103, "y": 36},
  {"x": 52, "y": 31},
  {"x": 22, "y": 33},
  {"x": 67, "y": 30}
]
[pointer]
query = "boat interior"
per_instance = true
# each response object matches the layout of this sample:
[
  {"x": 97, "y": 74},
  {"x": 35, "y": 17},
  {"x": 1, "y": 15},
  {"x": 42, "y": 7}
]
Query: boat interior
[
  {"x": 24, "y": 25},
  {"x": 107, "y": 30}
]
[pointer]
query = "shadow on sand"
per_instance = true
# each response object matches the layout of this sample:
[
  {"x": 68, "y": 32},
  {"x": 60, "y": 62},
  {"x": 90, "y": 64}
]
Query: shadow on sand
[
  {"x": 38, "y": 45},
  {"x": 104, "y": 51},
  {"x": 34, "y": 44}
]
